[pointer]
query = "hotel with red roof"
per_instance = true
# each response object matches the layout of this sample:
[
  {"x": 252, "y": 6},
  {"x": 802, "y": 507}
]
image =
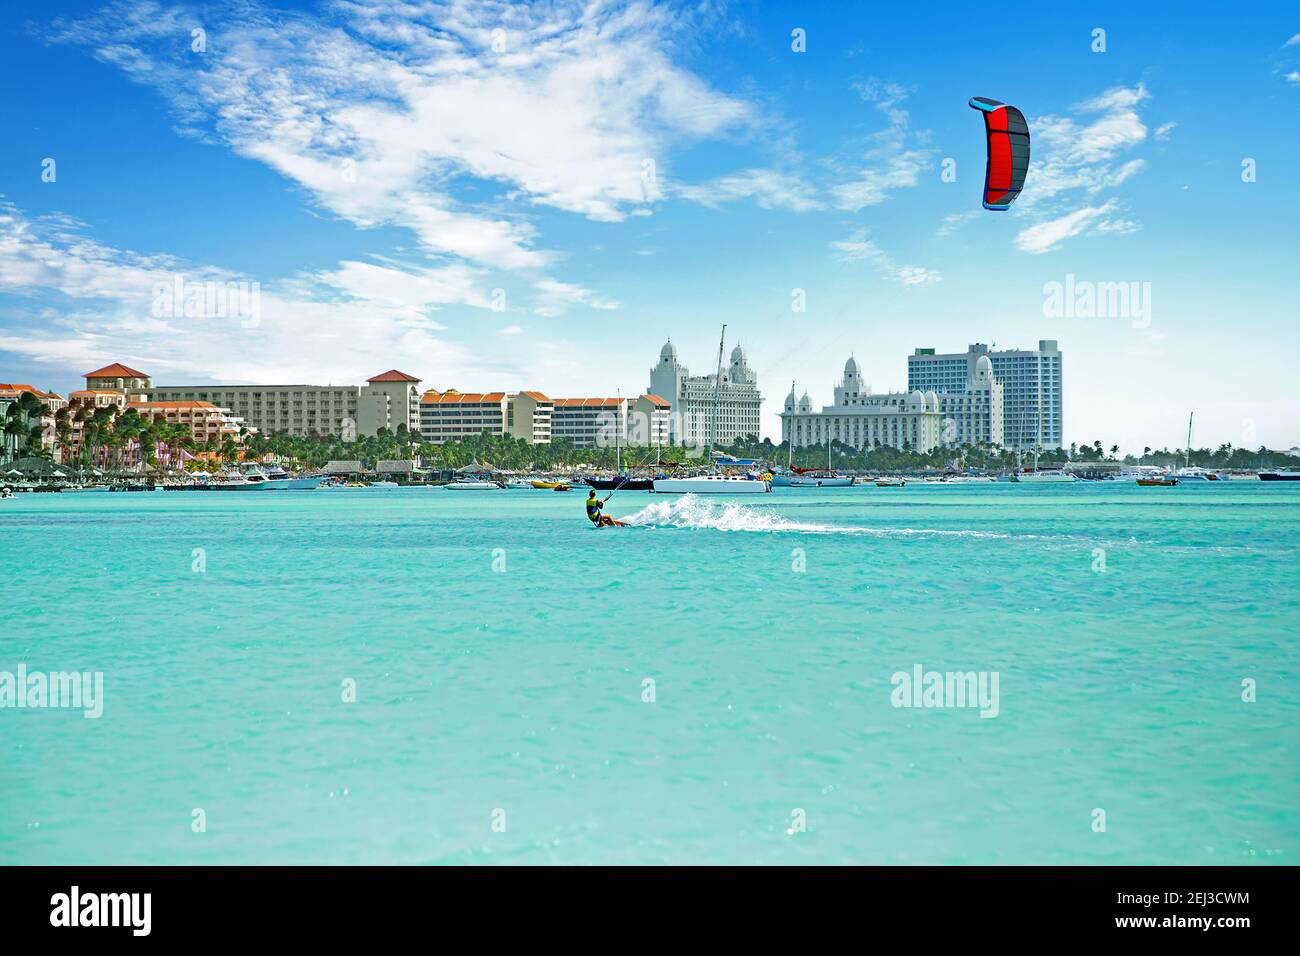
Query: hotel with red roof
[
  {"x": 585, "y": 422},
  {"x": 388, "y": 401}
]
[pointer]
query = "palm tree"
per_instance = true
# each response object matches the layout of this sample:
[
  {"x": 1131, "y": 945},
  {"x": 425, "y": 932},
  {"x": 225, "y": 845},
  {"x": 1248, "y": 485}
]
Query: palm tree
[
  {"x": 63, "y": 432},
  {"x": 23, "y": 422}
]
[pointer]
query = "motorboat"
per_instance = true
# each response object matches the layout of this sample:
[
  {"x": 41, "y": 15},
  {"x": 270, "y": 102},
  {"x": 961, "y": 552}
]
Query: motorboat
[
  {"x": 716, "y": 484},
  {"x": 1165, "y": 481},
  {"x": 280, "y": 480},
  {"x": 251, "y": 480},
  {"x": 818, "y": 479},
  {"x": 1193, "y": 473},
  {"x": 473, "y": 484},
  {"x": 1049, "y": 476},
  {"x": 890, "y": 482},
  {"x": 1279, "y": 476}
]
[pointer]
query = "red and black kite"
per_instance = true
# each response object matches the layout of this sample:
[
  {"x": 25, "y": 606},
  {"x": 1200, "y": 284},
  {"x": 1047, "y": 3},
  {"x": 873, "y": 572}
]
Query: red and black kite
[{"x": 1008, "y": 141}]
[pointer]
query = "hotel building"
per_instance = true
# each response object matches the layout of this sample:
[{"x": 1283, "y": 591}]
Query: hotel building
[
  {"x": 904, "y": 420},
  {"x": 347, "y": 411},
  {"x": 691, "y": 397},
  {"x": 291, "y": 409},
  {"x": 1031, "y": 382},
  {"x": 388, "y": 401},
  {"x": 973, "y": 416},
  {"x": 587, "y": 422},
  {"x": 452, "y": 415},
  {"x": 120, "y": 387}
]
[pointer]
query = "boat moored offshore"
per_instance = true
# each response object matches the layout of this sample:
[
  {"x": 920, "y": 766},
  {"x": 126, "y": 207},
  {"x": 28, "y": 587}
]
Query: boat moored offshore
[
  {"x": 712, "y": 485},
  {"x": 819, "y": 479},
  {"x": 1050, "y": 476},
  {"x": 251, "y": 480}
]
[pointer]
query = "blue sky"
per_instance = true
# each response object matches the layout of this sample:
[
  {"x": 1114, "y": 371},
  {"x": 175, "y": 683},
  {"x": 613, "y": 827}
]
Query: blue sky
[{"x": 536, "y": 196}]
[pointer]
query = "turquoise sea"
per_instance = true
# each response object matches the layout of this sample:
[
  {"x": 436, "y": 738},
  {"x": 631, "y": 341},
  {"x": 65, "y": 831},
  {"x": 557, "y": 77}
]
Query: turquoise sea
[{"x": 501, "y": 648}]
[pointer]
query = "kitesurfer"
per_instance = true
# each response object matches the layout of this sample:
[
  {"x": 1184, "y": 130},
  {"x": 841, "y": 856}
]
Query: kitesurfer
[{"x": 594, "y": 505}]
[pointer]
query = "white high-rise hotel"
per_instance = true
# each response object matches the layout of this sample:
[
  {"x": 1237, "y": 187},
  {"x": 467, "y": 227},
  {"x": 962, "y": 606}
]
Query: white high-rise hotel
[
  {"x": 692, "y": 397},
  {"x": 1030, "y": 379}
]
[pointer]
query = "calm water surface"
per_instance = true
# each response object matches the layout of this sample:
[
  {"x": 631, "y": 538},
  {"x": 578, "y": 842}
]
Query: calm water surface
[{"x": 500, "y": 647}]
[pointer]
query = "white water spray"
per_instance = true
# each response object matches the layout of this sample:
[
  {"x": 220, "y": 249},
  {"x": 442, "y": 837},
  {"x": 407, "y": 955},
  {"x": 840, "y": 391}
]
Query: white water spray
[{"x": 692, "y": 511}]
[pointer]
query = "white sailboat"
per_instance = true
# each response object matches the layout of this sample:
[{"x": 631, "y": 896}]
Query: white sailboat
[
  {"x": 783, "y": 479},
  {"x": 1188, "y": 472},
  {"x": 715, "y": 482},
  {"x": 826, "y": 479}
]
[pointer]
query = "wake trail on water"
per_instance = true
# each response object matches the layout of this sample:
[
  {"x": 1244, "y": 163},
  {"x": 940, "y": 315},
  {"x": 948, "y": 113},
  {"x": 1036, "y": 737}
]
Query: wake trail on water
[{"x": 691, "y": 511}]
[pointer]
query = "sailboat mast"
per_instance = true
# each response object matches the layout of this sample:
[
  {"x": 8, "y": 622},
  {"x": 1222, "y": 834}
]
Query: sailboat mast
[
  {"x": 717, "y": 387},
  {"x": 1187, "y": 459},
  {"x": 789, "y": 446}
]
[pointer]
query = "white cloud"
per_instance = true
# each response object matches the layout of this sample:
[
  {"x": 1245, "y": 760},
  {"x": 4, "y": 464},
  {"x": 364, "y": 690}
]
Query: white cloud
[
  {"x": 557, "y": 297},
  {"x": 381, "y": 113},
  {"x": 1079, "y": 153},
  {"x": 1163, "y": 131},
  {"x": 91, "y": 303},
  {"x": 954, "y": 221},
  {"x": 1124, "y": 172},
  {"x": 768, "y": 188},
  {"x": 1293, "y": 41},
  {"x": 1046, "y": 236},
  {"x": 859, "y": 248},
  {"x": 1118, "y": 226},
  {"x": 892, "y": 163},
  {"x": 1075, "y": 158},
  {"x": 1293, "y": 76},
  {"x": 511, "y": 330}
]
